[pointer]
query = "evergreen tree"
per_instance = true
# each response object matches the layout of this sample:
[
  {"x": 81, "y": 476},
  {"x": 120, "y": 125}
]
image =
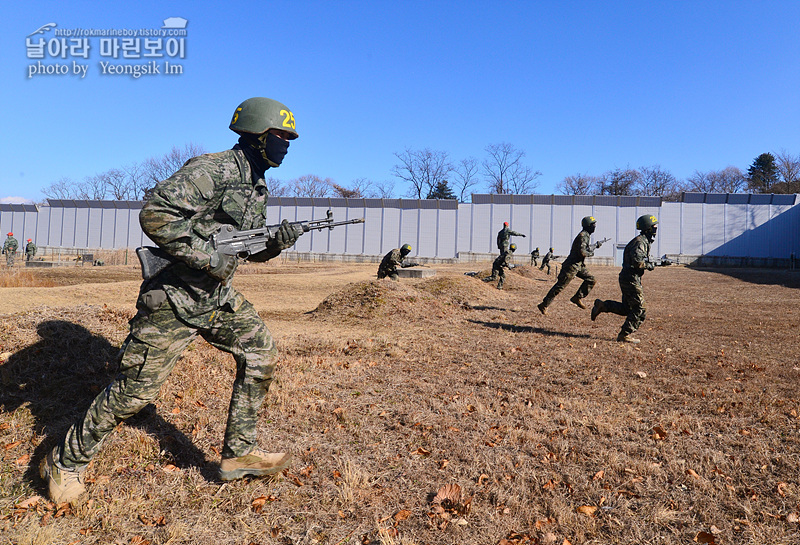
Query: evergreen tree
[
  {"x": 762, "y": 174},
  {"x": 441, "y": 191}
]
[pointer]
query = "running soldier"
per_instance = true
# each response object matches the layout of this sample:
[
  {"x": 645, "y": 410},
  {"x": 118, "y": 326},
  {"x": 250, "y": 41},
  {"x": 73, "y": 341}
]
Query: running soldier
[
  {"x": 574, "y": 266},
  {"x": 635, "y": 261}
]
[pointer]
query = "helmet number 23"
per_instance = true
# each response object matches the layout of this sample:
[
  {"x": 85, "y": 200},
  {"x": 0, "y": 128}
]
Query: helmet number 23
[{"x": 288, "y": 119}]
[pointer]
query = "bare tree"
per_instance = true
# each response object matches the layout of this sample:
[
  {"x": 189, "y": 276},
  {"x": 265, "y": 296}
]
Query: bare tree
[
  {"x": 423, "y": 169},
  {"x": 653, "y": 181},
  {"x": 63, "y": 188},
  {"x": 619, "y": 181},
  {"x": 275, "y": 187},
  {"x": 728, "y": 180},
  {"x": 310, "y": 185},
  {"x": 384, "y": 189},
  {"x": 92, "y": 188},
  {"x": 466, "y": 177},
  {"x": 345, "y": 192},
  {"x": 505, "y": 171},
  {"x": 789, "y": 171},
  {"x": 579, "y": 184}
]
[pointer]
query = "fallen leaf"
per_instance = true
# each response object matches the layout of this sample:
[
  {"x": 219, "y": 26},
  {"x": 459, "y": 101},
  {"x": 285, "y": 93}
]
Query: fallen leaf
[
  {"x": 588, "y": 510},
  {"x": 422, "y": 452},
  {"x": 793, "y": 517},
  {"x": 599, "y": 475},
  {"x": 449, "y": 492},
  {"x": 401, "y": 515},
  {"x": 443, "y": 464},
  {"x": 693, "y": 473},
  {"x": 30, "y": 502},
  {"x": 705, "y": 537},
  {"x": 659, "y": 434},
  {"x": 9, "y": 446},
  {"x": 641, "y": 374},
  {"x": 782, "y": 488},
  {"x": 22, "y": 460}
]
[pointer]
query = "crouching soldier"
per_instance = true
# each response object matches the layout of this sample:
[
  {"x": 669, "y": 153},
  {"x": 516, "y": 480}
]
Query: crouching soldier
[
  {"x": 502, "y": 262},
  {"x": 394, "y": 259}
]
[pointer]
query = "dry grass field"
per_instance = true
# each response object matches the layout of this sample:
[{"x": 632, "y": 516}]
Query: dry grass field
[{"x": 430, "y": 411}]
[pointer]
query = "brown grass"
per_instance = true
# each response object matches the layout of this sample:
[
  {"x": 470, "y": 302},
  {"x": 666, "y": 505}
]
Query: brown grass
[{"x": 387, "y": 392}]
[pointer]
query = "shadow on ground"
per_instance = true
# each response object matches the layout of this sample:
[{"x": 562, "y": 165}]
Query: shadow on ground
[{"x": 56, "y": 379}]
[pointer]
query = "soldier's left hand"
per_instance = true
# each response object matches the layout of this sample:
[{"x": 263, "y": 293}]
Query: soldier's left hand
[{"x": 286, "y": 236}]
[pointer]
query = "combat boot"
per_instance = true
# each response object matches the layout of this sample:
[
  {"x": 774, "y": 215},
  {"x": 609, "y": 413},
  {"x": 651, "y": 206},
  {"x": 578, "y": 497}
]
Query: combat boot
[
  {"x": 626, "y": 338},
  {"x": 542, "y": 308},
  {"x": 258, "y": 464},
  {"x": 597, "y": 309},
  {"x": 577, "y": 300},
  {"x": 63, "y": 484}
]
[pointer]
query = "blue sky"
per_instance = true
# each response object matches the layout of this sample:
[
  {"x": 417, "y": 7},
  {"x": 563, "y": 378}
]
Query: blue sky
[{"x": 580, "y": 87}]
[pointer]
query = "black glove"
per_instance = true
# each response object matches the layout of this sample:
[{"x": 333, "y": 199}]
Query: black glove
[
  {"x": 221, "y": 266},
  {"x": 650, "y": 265},
  {"x": 286, "y": 236}
]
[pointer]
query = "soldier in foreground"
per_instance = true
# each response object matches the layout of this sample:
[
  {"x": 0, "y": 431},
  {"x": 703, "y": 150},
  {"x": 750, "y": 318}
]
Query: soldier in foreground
[
  {"x": 30, "y": 250},
  {"x": 574, "y": 266},
  {"x": 194, "y": 297},
  {"x": 10, "y": 249},
  {"x": 534, "y": 257},
  {"x": 394, "y": 259},
  {"x": 635, "y": 260},
  {"x": 502, "y": 262},
  {"x": 546, "y": 260},
  {"x": 504, "y": 237}
]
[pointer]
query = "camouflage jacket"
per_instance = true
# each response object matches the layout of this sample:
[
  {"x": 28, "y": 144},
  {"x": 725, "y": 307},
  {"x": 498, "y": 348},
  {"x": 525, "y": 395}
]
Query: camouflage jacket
[
  {"x": 634, "y": 258},
  {"x": 504, "y": 236},
  {"x": 10, "y": 245},
  {"x": 185, "y": 210},
  {"x": 30, "y": 248},
  {"x": 581, "y": 249},
  {"x": 503, "y": 261}
]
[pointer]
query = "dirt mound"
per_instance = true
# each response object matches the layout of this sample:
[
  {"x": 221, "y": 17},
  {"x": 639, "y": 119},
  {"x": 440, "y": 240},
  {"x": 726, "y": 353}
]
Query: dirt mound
[{"x": 436, "y": 297}]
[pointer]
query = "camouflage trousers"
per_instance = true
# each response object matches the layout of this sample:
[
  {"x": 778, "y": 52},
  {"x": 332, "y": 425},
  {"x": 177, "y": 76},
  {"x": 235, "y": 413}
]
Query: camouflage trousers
[
  {"x": 565, "y": 277},
  {"x": 10, "y": 259},
  {"x": 497, "y": 272},
  {"x": 155, "y": 343},
  {"x": 632, "y": 304}
]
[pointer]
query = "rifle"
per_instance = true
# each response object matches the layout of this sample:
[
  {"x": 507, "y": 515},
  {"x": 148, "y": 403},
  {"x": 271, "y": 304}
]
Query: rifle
[
  {"x": 230, "y": 241},
  {"x": 662, "y": 262},
  {"x": 600, "y": 243}
]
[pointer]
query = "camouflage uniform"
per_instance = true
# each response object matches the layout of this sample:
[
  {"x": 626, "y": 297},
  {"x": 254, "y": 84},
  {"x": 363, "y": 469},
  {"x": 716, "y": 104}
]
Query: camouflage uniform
[
  {"x": 574, "y": 266},
  {"x": 534, "y": 257},
  {"x": 630, "y": 282},
  {"x": 546, "y": 261},
  {"x": 184, "y": 302},
  {"x": 30, "y": 251},
  {"x": 10, "y": 249},
  {"x": 502, "y": 262},
  {"x": 504, "y": 237},
  {"x": 390, "y": 262}
]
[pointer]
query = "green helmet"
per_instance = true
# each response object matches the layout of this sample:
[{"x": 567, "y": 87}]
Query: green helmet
[
  {"x": 588, "y": 221},
  {"x": 512, "y": 247},
  {"x": 257, "y": 115},
  {"x": 646, "y": 222},
  {"x": 405, "y": 249}
]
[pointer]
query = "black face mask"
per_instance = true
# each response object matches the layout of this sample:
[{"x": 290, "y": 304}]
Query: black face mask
[
  {"x": 274, "y": 149},
  {"x": 651, "y": 235}
]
